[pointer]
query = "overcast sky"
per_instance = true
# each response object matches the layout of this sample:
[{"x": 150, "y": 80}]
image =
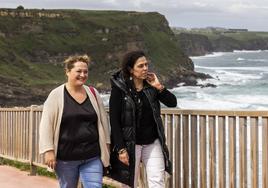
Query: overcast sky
[{"x": 245, "y": 14}]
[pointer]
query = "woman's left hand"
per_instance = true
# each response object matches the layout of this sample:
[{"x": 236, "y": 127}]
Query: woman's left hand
[
  {"x": 153, "y": 81},
  {"x": 50, "y": 159}
]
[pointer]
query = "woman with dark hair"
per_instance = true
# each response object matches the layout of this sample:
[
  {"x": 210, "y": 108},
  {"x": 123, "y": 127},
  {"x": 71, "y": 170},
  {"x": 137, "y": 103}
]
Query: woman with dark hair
[{"x": 137, "y": 133}]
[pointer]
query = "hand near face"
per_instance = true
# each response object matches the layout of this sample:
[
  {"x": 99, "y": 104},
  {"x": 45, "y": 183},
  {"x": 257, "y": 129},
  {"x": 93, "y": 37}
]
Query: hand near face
[{"x": 153, "y": 80}]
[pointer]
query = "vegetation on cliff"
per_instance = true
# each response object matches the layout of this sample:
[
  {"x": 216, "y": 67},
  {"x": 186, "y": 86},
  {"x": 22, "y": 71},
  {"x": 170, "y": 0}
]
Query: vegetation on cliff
[
  {"x": 201, "y": 42},
  {"x": 34, "y": 43}
]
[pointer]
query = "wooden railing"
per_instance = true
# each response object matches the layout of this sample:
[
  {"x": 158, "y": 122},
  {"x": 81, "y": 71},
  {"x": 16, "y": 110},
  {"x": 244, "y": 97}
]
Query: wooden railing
[{"x": 208, "y": 148}]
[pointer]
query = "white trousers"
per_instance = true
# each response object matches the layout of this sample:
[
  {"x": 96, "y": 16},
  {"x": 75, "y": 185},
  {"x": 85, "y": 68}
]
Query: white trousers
[{"x": 153, "y": 160}]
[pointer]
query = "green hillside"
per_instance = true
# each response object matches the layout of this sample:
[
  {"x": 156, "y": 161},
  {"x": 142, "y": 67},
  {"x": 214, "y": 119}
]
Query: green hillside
[
  {"x": 34, "y": 43},
  {"x": 203, "y": 41}
]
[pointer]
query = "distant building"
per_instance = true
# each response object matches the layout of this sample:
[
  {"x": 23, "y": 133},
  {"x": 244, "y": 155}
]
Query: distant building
[
  {"x": 238, "y": 30},
  {"x": 179, "y": 28}
]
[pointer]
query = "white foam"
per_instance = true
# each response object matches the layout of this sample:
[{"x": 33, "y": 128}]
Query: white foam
[
  {"x": 258, "y": 60},
  {"x": 262, "y": 68},
  {"x": 218, "y": 101},
  {"x": 214, "y": 54},
  {"x": 248, "y": 51},
  {"x": 240, "y": 59},
  {"x": 211, "y": 104},
  {"x": 217, "y": 54}
]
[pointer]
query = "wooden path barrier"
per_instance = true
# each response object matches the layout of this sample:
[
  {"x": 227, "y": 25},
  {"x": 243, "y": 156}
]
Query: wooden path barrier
[{"x": 208, "y": 148}]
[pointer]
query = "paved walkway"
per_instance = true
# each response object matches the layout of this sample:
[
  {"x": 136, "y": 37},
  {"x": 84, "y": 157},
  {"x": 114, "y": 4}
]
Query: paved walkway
[{"x": 11, "y": 177}]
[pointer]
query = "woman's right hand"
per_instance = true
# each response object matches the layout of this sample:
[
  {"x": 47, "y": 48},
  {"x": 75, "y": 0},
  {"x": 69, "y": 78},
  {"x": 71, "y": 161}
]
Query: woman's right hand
[
  {"x": 124, "y": 158},
  {"x": 50, "y": 159}
]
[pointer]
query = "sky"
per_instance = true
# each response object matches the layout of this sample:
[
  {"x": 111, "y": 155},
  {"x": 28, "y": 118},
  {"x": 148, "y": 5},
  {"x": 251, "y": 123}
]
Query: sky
[{"x": 238, "y": 14}]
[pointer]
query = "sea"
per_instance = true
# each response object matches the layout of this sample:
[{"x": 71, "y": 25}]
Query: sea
[{"x": 240, "y": 77}]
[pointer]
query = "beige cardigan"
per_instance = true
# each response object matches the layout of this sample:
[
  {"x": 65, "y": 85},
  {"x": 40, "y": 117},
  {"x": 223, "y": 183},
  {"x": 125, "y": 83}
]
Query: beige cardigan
[{"x": 51, "y": 119}]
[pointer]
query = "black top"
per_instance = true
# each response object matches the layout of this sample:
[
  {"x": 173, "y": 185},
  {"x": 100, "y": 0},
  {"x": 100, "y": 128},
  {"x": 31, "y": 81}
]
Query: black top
[
  {"x": 78, "y": 138},
  {"x": 146, "y": 132}
]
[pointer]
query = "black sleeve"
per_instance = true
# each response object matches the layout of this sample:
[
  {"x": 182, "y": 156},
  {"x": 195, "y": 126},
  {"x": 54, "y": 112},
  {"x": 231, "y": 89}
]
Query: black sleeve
[
  {"x": 167, "y": 98},
  {"x": 115, "y": 104}
]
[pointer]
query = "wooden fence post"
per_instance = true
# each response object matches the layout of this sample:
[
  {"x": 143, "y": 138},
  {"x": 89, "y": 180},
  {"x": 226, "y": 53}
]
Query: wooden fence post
[{"x": 32, "y": 137}]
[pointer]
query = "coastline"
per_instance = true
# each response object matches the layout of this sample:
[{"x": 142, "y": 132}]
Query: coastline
[{"x": 241, "y": 79}]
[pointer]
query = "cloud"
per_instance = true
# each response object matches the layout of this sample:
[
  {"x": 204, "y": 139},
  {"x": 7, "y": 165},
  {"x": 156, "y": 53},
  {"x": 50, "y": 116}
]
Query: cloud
[
  {"x": 192, "y": 13},
  {"x": 246, "y": 8}
]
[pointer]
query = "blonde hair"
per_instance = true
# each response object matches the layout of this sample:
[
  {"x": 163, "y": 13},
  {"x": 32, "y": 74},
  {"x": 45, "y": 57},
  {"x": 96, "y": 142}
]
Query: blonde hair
[{"x": 71, "y": 60}]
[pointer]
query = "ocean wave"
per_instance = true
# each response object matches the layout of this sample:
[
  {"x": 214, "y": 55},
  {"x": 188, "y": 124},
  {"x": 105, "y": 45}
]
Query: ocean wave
[
  {"x": 214, "y": 54},
  {"x": 258, "y": 60},
  {"x": 210, "y": 104},
  {"x": 233, "y": 78},
  {"x": 240, "y": 60},
  {"x": 218, "y": 101},
  {"x": 262, "y": 68},
  {"x": 218, "y": 54},
  {"x": 247, "y": 51}
]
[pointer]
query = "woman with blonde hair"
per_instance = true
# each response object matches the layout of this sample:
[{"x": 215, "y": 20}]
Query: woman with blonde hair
[{"x": 74, "y": 132}]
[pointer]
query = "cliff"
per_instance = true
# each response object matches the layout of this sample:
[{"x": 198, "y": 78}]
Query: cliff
[
  {"x": 34, "y": 43},
  {"x": 201, "y": 43}
]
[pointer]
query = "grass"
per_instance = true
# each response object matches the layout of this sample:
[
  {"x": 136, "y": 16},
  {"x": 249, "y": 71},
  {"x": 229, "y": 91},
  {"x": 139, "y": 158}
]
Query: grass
[
  {"x": 26, "y": 167},
  {"x": 29, "y": 43}
]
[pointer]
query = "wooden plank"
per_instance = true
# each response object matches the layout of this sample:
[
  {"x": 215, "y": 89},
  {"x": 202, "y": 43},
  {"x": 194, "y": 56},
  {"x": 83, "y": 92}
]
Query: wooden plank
[
  {"x": 194, "y": 157},
  {"x": 259, "y": 152},
  {"x": 248, "y": 177},
  {"x": 237, "y": 152},
  {"x": 24, "y": 138},
  {"x": 186, "y": 150},
  {"x": 203, "y": 151},
  {"x": 254, "y": 151},
  {"x": 181, "y": 150},
  {"x": 242, "y": 148},
  {"x": 16, "y": 134},
  {"x": 212, "y": 154},
  {"x": 265, "y": 153},
  {"x": 190, "y": 152},
  {"x": 226, "y": 147},
  {"x": 11, "y": 132},
  {"x": 208, "y": 146},
  {"x": 232, "y": 152},
  {"x": 221, "y": 151},
  {"x": 174, "y": 150}
]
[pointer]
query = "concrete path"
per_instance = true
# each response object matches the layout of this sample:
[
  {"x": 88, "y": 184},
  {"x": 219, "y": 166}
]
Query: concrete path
[{"x": 11, "y": 177}]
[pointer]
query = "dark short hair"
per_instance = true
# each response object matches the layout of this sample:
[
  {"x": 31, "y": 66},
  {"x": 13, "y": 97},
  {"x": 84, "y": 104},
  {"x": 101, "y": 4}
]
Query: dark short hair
[{"x": 129, "y": 60}]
